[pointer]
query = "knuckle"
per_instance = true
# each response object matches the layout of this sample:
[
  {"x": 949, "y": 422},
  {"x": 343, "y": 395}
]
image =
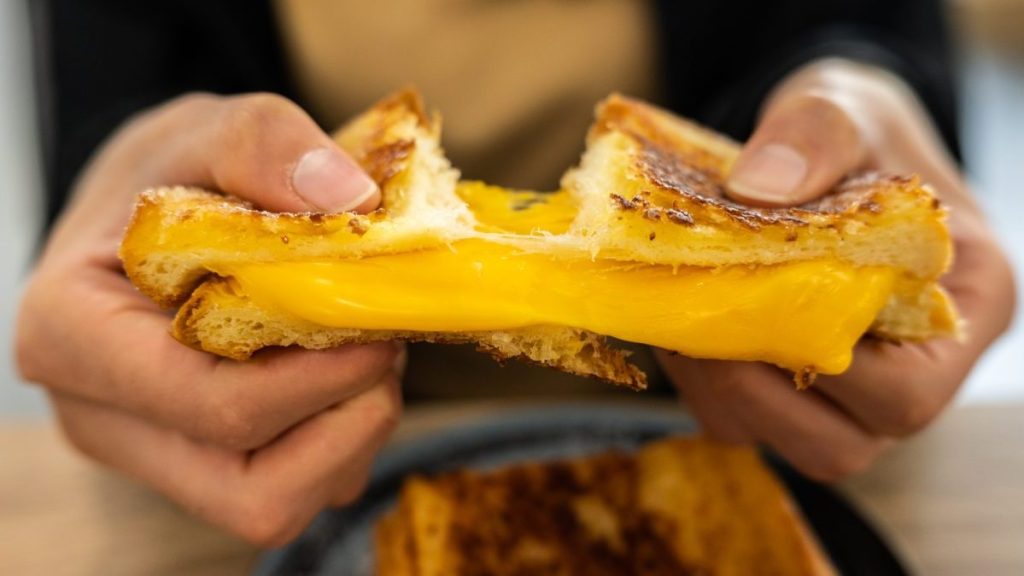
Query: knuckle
[
  {"x": 913, "y": 402},
  {"x": 914, "y": 412},
  {"x": 823, "y": 109},
  {"x": 836, "y": 465},
  {"x": 265, "y": 104},
  {"x": 75, "y": 436},
  {"x": 248, "y": 128},
  {"x": 250, "y": 117},
  {"x": 26, "y": 357},
  {"x": 822, "y": 104},
  {"x": 728, "y": 382},
  {"x": 352, "y": 489},
  {"x": 30, "y": 357},
  {"x": 1005, "y": 288},
  {"x": 79, "y": 443},
  {"x": 190, "y": 101},
  {"x": 384, "y": 409},
  {"x": 142, "y": 127},
  {"x": 725, "y": 432},
  {"x": 172, "y": 112},
  {"x": 369, "y": 362},
  {"x": 225, "y": 420},
  {"x": 76, "y": 441},
  {"x": 268, "y": 521},
  {"x": 733, "y": 380}
]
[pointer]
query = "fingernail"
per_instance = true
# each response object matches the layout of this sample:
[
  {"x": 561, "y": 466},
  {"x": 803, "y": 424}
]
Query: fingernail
[
  {"x": 332, "y": 182},
  {"x": 772, "y": 173}
]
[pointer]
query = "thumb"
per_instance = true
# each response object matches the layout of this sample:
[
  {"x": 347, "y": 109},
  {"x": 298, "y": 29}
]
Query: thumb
[
  {"x": 265, "y": 149},
  {"x": 804, "y": 144}
]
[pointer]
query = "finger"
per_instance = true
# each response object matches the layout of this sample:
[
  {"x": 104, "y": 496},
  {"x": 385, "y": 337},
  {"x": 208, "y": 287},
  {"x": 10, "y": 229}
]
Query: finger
[
  {"x": 690, "y": 378},
  {"x": 336, "y": 448},
  {"x": 267, "y": 496},
  {"x": 134, "y": 364},
  {"x": 346, "y": 490},
  {"x": 803, "y": 427},
  {"x": 260, "y": 147},
  {"x": 241, "y": 145},
  {"x": 265, "y": 149},
  {"x": 897, "y": 389},
  {"x": 803, "y": 145}
]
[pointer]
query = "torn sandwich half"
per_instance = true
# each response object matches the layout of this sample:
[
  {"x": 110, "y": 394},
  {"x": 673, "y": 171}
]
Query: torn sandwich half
[{"x": 640, "y": 244}]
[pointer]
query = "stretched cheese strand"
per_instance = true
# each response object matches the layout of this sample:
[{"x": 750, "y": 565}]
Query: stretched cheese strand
[{"x": 803, "y": 314}]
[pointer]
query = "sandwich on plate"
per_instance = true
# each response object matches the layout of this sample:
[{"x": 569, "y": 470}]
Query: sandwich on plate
[
  {"x": 639, "y": 244},
  {"x": 678, "y": 506}
]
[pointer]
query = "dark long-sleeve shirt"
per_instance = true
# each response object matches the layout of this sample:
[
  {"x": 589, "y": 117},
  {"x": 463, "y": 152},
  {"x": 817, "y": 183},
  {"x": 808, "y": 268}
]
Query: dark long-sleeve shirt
[{"x": 100, "y": 61}]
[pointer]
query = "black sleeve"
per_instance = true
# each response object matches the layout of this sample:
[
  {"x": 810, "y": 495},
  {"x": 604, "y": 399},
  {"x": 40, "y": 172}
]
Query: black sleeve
[
  {"x": 100, "y": 61},
  {"x": 722, "y": 58}
]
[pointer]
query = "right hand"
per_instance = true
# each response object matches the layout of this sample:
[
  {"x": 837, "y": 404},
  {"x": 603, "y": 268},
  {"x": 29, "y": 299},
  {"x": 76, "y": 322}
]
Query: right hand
[
  {"x": 826, "y": 120},
  {"x": 256, "y": 447}
]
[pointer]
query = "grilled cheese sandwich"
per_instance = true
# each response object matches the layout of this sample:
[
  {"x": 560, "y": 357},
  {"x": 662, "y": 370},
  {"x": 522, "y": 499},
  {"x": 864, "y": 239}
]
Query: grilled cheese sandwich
[
  {"x": 640, "y": 244},
  {"x": 677, "y": 506}
]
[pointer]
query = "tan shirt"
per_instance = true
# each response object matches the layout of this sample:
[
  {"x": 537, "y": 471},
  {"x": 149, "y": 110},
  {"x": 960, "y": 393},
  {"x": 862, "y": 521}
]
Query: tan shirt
[{"x": 516, "y": 81}]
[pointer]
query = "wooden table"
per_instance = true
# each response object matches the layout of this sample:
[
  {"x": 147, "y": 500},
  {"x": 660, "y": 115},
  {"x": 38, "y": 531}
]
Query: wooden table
[{"x": 950, "y": 499}]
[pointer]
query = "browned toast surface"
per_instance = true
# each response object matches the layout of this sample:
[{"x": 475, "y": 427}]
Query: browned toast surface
[
  {"x": 648, "y": 171},
  {"x": 649, "y": 190},
  {"x": 679, "y": 506},
  {"x": 217, "y": 321}
]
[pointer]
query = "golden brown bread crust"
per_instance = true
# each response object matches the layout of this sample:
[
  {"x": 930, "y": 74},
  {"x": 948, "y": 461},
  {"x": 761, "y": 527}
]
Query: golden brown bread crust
[
  {"x": 691, "y": 164},
  {"x": 650, "y": 189},
  {"x": 206, "y": 222},
  {"x": 667, "y": 178},
  {"x": 176, "y": 233},
  {"x": 370, "y": 139},
  {"x": 217, "y": 320},
  {"x": 679, "y": 506}
]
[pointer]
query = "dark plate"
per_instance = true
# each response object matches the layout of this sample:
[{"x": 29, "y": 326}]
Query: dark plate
[{"x": 339, "y": 541}]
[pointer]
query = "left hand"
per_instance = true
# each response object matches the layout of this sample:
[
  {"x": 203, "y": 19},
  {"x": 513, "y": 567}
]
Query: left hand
[
  {"x": 259, "y": 447},
  {"x": 824, "y": 121}
]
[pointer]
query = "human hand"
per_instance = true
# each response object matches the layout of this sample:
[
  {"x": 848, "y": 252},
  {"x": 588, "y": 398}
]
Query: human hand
[
  {"x": 255, "y": 447},
  {"x": 824, "y": 121}
]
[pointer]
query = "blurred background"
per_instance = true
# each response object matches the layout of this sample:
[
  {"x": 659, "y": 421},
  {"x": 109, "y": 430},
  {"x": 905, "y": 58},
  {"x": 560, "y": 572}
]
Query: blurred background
[{"x": 992, "y": 102}]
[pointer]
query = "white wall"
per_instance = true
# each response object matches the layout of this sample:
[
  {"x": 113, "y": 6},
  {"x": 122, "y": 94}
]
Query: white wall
[
  {"x": 19, "y": 194},
  {"x": 993, "y": 138}
]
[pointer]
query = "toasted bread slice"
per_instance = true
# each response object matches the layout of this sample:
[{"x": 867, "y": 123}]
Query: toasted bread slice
[
  {"x": 647, "y": 171},
  {"x": 649, "y": 191},
  {"x": 217, "y": 320},
  {"x": 177, "y": 233},
  {"x": 678, "y": 506},
  {"x": 669, "y": 206}
]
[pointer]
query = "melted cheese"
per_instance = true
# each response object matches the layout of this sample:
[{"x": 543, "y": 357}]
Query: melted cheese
[
  {"x": 803, "y": 314},
  {"x": 517, "y": 211}
]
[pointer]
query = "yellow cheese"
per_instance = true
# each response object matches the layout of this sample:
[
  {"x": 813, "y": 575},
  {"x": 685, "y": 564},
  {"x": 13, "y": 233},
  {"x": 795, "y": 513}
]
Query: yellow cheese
[
  {"x": 517, "y": 211},
  {"x": 803, "y": 314}
]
